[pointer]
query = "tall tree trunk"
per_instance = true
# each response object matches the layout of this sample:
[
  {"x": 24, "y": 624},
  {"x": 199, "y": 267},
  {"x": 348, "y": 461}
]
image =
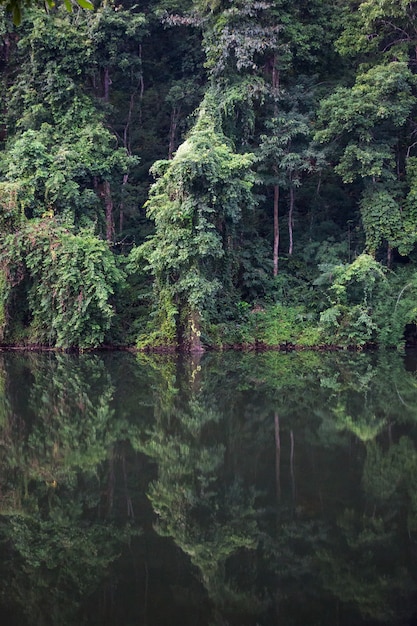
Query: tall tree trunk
[
  {"x": 126, "y": 134},
  {"x": 109, "y": 211},
  {"x": 292, "y": 465},
  {"x": 277, "y": 456},
  {"x": 389, "y": 256},
  {"x": 290, "y": 219},
  {"x": 126, "y": 130},
  {"x": 175, "y": 116},
  {"x": 275, "y": 89},
  {"x": 276, "y": 229},
  {"x": 121, "y": 208},
  {"x": 106, "y": 84},
  {"x": 275, "y": 82}
]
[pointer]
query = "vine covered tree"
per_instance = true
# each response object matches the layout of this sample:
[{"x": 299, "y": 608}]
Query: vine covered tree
[{"x": 197, "y": 205}]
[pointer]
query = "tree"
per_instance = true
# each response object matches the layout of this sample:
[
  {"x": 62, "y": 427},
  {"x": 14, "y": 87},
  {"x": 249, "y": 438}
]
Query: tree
[
  {"x": 68, "y": 282},
  {"x": 287, "y": 155},
  {"x": 364, "y": 122},
  {"x": 253, "y": 50},
  {"x": 59, "y": 154},
  {"x": 197, "y": 206},
  {"x": 57, "y": 547}
]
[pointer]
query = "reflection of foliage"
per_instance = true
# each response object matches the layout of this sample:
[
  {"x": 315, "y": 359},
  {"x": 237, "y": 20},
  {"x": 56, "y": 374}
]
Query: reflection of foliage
[
  {"x": 49, "y": 566},
  {"x": 366, "y": 399},
  {"x": 364, "y": 568},
  {"x": 366, "y": 428},
  {"x": 360, "y": 585},
  {"x": 209, "y": 536},
  {"x": 211, "y": 446},
  {"x": 384, "y": 472},
  {"x": 56, "y": 434},
  {"x": 209, "y": 520},
  {"x": 389, "y": 480},
  {"x": 70, "y": 397},
  {"x": 287, "y": 480}
]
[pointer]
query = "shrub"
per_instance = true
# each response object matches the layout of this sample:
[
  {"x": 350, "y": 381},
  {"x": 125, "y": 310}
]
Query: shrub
[{"x": 69, "y": 279}]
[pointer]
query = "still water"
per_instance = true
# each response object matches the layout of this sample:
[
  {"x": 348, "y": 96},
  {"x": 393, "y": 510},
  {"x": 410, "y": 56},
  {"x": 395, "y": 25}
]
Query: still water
[{"x": 238, "y": 489}]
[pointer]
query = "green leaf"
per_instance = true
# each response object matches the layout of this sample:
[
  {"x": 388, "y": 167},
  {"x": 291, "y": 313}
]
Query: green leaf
[
  {"x": 85, "y": 4},
  {"x": 16, "y": 13}
]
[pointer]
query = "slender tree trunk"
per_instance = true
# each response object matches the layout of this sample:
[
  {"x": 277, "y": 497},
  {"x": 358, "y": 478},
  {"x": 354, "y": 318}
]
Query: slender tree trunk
[
  {"x": 389, "y": 256},
  {"x": 175, "y": 116},
  {"x": 275, "y": 82},
  {"x": 292, "y": 465},
  {"x": 277, "y": 456},
  {"x": 6, "y": 47},
  {"x": 290, "y": 219},
  {"x": 126, "y": 130},
  {"x": 275, "y": 88},
  {"x": 276, "y": 229},
  {"x": 141, "y": 86},
  {"x": 109, "y": 211},
  {"x": 121, "y": 208},
  {"x": 106, "y": 84},
  {"x": 126, "y": 134}
]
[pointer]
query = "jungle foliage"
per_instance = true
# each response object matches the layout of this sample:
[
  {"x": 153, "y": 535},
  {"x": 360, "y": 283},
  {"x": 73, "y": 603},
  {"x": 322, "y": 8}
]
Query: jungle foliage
[{"x": 195, "y": 174}]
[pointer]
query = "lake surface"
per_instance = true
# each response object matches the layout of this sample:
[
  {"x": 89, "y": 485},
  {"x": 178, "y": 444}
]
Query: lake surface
[{"x": 238, "y": 489}]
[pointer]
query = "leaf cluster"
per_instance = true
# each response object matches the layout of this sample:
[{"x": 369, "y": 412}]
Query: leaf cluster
[{"x": 71, "y": 279}]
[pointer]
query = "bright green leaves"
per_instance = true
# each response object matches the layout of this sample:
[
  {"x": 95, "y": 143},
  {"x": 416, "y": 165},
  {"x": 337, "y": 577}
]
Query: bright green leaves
[
  {"x": 287, "y": 149},
  {"x": 196, "y": 205},
  {"x": 61, "y": 168},
  {"x": 387, "y": 27},
  {"x": 384, "y": 221},
  {"x": 366, "y": 160},
  {"x": 16, "y": 7},
  {"x": 62, "y": 165},
  {"x": 349, "y": 319},
  {"x": 354, "y": 283},
  {"x": 410, "y": 202},
  {"x": 367, "y": 303},
  {"x": 70, "y": 280},
  {"x": 59, "y": 158},
  {"x": 114, "y": 34},
  {"x": 11, "y": 205},
  {"x": 84, "y": 4},
  {"x": 362, "y": 119},
  {"x": 54, "y": 55},
  {"x": 362, "y": 124}
]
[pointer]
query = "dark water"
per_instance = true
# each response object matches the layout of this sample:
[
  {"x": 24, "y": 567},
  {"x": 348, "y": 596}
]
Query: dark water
[{"x": 243, "y": 489}]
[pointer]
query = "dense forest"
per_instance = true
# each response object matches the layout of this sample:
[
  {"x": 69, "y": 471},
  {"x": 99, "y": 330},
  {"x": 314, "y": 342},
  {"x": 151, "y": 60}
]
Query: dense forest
[{"x": 209, "y": 173}]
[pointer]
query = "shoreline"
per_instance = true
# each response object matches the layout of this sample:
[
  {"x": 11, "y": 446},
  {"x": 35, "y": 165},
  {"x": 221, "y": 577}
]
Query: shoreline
[{"x": 207, "y": 349}]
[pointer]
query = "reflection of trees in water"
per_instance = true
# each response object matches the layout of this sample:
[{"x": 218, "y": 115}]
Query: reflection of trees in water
[
  {"x": 59, "y": 421},
  {"x": 57, "y": 435},
  {"x": 200, "y": 501},
  {"x": 311, "y": 534},
  {"x": 288, "y": 481}
]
